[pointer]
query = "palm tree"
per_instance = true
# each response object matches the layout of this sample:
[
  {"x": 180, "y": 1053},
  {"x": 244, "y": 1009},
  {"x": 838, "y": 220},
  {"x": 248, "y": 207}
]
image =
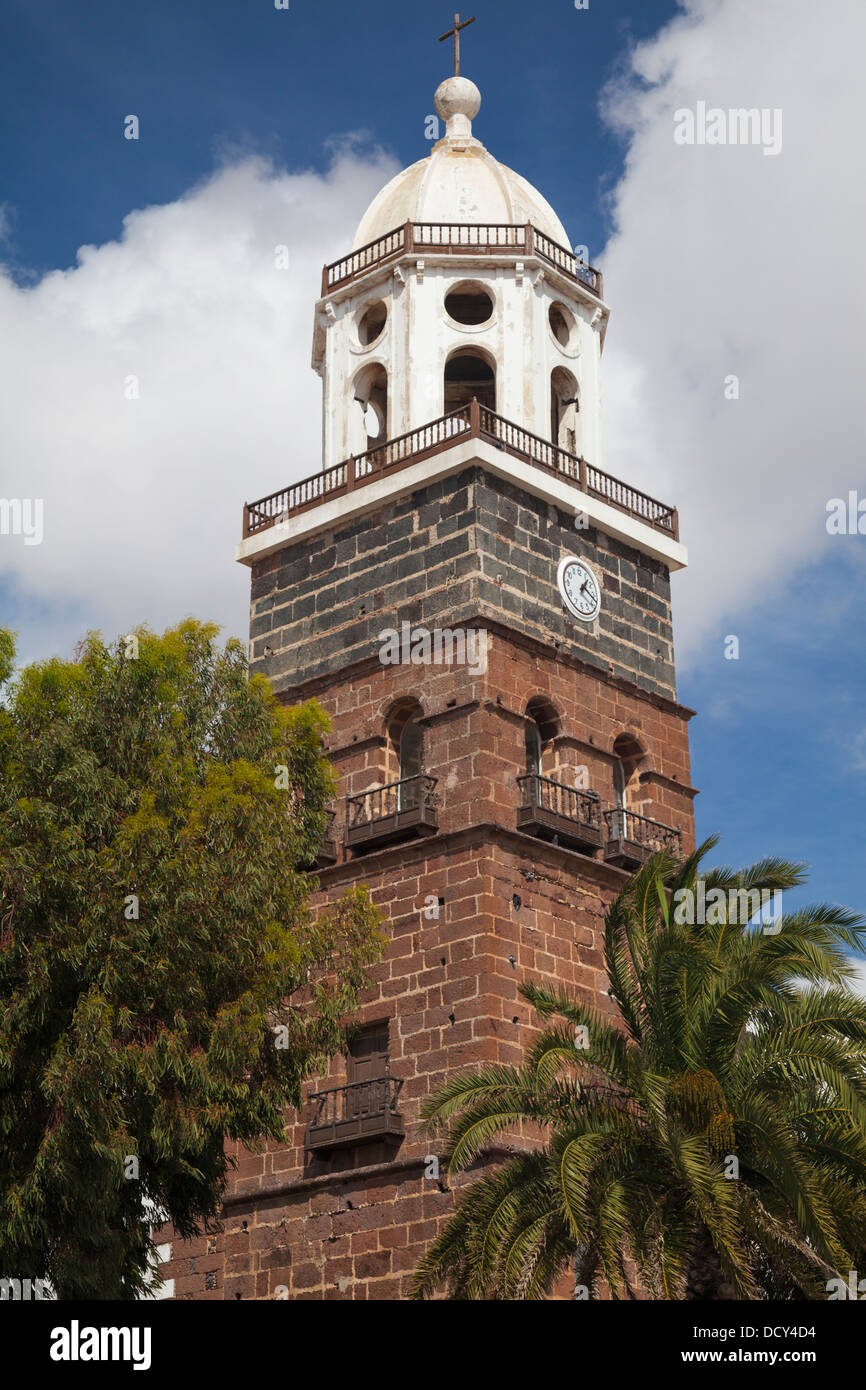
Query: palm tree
[{"x": 708, "y": 1143}]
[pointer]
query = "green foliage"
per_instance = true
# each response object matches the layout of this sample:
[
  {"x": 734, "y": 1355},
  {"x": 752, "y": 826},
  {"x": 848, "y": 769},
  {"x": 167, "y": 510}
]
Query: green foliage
[
  {"x": 734, "y": 1041},
  {"x": 7, "y": 654},
  {"x": 153, "y": 776}
]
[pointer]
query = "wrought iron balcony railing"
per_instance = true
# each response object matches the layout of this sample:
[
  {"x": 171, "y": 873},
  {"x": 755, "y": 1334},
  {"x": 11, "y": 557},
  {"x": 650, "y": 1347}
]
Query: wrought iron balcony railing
[
  {"x": 432, "y": 239},
  {"x": 631, "y": 838},
  {"x": 472, "y": 421},
  {"x": 397, "y": 811},
  {"x": 348, "y": 1114},
  {"x": 554, "y": 811}
]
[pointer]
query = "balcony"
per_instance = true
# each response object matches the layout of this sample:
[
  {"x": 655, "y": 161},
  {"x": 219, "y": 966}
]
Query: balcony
[
  {"x": 327, "y": 855},
  {"x": 632, "y": 839},
  {"x": 434, "y": 239},
  {"x": 348, "y": 1114},
  {"x": 552, "y": 811},
  {"x": 472, "y": 421},
  {"x": 398, "y": 811}
]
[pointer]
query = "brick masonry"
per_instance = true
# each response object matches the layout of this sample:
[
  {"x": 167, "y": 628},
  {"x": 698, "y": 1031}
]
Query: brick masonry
[
  {"x": 476, "y": 551},
  {"x": 463, "y": 546}
]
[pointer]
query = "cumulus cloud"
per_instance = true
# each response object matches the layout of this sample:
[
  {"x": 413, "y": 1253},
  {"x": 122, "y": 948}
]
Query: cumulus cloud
[
  {"x": 725, "y": 262},
  {"x": 143, "y": 497}
]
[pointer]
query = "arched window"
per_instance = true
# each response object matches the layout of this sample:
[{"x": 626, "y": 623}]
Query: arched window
[
  {"x": 406, "y": 751},
  {"x": 411, "y": 749},
  {"x": 542, "y": 727},
  {"x": 469, "y": 373},
  {"x": 628, "y": 756},
  {"x": 533, "y": 748},
  {"x": 565, "y": 411},
  {"x": 371, "y": 395}
]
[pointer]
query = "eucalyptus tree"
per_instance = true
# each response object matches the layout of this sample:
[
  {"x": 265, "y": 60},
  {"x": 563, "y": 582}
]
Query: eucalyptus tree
[{"x": 164, "y": 985}]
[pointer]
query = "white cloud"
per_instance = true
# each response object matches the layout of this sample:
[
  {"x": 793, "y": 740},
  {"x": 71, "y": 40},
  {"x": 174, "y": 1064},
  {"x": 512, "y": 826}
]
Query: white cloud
[
  {"x": 143, "y": 498},
  {"x": 724, "y": 262},
  {"x": 858, "y": 981}
]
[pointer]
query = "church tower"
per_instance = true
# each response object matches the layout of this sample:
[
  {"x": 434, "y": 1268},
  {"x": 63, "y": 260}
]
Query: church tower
[{"x": 485, "y": 613}]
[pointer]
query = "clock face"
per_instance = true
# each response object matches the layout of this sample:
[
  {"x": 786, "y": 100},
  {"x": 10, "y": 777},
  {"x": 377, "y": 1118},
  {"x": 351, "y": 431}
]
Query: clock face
[{"x": 580, "y": 589}]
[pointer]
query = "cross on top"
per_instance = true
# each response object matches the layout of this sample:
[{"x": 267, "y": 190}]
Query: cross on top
[{"x": 455, "y": 34}]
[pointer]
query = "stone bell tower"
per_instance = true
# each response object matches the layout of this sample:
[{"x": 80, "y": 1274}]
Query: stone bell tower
[{"x": 485, "y": 613}]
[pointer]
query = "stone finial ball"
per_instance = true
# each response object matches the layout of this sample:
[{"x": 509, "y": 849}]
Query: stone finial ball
[{"x": 457, "y": 96}]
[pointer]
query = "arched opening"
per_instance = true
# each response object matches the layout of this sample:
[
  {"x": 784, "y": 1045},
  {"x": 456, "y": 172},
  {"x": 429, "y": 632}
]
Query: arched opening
[
  {"x": 469, "y": 303},
  {"x": 406, "y": 752},
  {"x": 371, "y": 395},
  {"x": 468, "y": 374},
  {"x": 371, "y": 322},
  {"x": 411, "y": 750},
  {"x": 628, "y": 756},
  {"x": 565, "y": 411},
  {"x": 533, "y": 749},
  {"x": 542, "y": 727}
]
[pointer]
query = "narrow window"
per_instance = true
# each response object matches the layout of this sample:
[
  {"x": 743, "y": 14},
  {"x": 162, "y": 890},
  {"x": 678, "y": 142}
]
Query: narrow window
[
  {"x": 542, "y": 727},
  {"x": 371, "y": 394},
  {"x": 628, "y": 755},
  {"x": 564, "y": 411},
  {"x": 406, "y": 755},
  {"x": 533, "y": 749},
  {"x": 411, "y": 750}
]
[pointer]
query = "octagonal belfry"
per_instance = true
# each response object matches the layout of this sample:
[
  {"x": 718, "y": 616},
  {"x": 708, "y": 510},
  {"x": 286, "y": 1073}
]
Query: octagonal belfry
[{"x": 461, "y": 282}]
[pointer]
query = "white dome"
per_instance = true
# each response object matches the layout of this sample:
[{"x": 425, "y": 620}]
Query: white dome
[{"x": 459, "y": 181}]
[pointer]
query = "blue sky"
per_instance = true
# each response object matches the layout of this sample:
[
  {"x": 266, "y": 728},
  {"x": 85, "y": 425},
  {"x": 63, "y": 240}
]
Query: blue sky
[
  {"x": 779, "y": 750},
  {"x": 207, "y": 76}
]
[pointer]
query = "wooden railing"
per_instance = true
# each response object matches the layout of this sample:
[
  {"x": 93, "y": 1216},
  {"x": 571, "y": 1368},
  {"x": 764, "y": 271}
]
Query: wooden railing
[
  {"x": 564, "y": 260},
  {"x": 560, "y": 800},
  {"x": 640, "y": 830},
  {"x": 347, "y": 1114},
  {"x": 543, "y": 454},
  {"x": 374, "y": 1097},
  {"x": 411, "y": 794},
  {"x": 471, "y": 422},
  {"x": 460, "y": 238}
]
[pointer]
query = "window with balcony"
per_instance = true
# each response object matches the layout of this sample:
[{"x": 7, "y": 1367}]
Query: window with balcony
[
  {"x": 406, "y": 806},
  {"x": 365, "y": 1108},
  {"x": 550, "y": 808},
  {"x": 631, "y": 837}
]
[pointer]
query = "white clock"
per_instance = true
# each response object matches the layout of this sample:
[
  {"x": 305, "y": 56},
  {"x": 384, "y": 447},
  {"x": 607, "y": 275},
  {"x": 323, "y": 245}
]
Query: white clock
[{"x": 580, "y": 589}]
